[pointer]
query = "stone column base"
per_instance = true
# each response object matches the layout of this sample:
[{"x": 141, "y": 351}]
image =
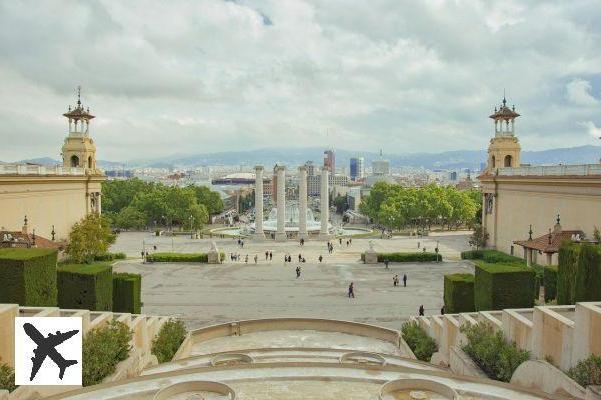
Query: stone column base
[
  {"x": 258, "y": 237},
  {"x": 213, "y": 258},
  {"x": 371, "y": 257},
  {"x": 280, "y": 237}
]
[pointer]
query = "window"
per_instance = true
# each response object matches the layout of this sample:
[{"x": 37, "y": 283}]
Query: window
[
  {"x": 508, "y": 160},
  {"x": 493, "y": 161},
  {"x": 74, "y": 161},
  {"x": 90, "y": 162}
]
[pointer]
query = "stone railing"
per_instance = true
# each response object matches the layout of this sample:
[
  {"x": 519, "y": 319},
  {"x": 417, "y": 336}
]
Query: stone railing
[
  {"x": 25, "y": 169},
  {"x": 552, "y": 170}
]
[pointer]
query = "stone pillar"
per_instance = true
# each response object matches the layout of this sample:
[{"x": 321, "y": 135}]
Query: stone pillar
[
  {"x": 302, "y": 208},
  {"x": 280, "y": 234},
  {"x": 259, "y": 235},
  {"x": 325, "y": 204}
]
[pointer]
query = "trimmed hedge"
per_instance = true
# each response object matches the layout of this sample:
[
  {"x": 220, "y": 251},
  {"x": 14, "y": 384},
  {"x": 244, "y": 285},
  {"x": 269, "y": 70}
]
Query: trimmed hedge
[
  {"x": 498, "y": 286},
  {"x": 127, "y": 293},
  {"x": 85, "y": 286},
  {"x": 181, "y": 257},
  {"x": 409, "y": 257},
  {"x": 545, "y": 276},
  {"x": 491, "y": 257},
  {"x": 579, "y": 273},
  {"x": 459, "y": 293},
  {"x": 28, "y": 277},
  {"x": 168, "y": 340},
  {"x": 110, "y": 257},
  {"x": 422, "y": 345},
  {"x": 103, "y": 349}
]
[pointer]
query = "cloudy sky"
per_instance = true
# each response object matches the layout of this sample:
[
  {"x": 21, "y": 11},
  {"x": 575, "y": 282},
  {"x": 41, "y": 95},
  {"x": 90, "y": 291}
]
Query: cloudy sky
[{"x": 200, "y": 76}]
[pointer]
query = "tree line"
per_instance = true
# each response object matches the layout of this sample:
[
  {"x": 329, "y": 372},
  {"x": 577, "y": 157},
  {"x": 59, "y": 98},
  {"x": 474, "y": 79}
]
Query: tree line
[
  {"x": 135, "y": 204},
  {"x": 398, "y": 207}
]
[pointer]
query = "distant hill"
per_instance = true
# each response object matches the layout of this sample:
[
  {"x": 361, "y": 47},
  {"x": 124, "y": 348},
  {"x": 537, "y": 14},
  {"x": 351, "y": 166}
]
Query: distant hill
[
  {"x": 269, "y": 156},
  {"x": 48, "y": 161}
]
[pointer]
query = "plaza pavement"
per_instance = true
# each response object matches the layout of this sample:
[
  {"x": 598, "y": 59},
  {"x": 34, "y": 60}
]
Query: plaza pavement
[{"x": 203, "y": 294}]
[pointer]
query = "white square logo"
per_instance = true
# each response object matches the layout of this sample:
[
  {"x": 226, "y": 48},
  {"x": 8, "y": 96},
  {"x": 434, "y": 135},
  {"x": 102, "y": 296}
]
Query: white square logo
[{"x": 48, "y": 350}]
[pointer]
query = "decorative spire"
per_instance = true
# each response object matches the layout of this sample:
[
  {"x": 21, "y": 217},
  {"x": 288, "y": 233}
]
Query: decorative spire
[
  {"x": 504, "y": 100},
  {"x": 530, "y": 233},
  {"x": 558, "y": 219},
  {"x": 25, "y": 220},
  {"x": 78, "y": 96},
  {"x": 53, "y": 233}
]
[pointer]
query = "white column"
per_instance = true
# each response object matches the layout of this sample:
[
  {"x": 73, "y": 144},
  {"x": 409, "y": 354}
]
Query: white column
[
  {"x": 325, "y": 204},
  {"x": 302, "y": 197},
  {"x": 259, "y": 203},
  {"x": 280, "y": 234}
]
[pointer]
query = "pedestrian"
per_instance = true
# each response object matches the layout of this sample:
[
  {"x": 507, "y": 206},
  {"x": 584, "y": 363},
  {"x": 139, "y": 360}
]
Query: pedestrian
[
  {"x": 404, "y": 280},
  {"x": 299, "y": 257},
  {"x": 347, "y": 243},
  {"x": 421, "y": 310},
  {"x": 298, "y": 272},
  {"x": 142, "y": 254},
  {"x": 320, "y": 258},
  {"x": 270, "y": 256},
  {"x": 386, "y": 263},
  {"x": 442, "y": 310},
  {"x": 154, "y": 247},
  {"x": 303, "y": 260},
  {"x": 246, "y": 259},
  {"x": 266, "y": 255},
  {"x": 242, "y": 243},
  {"x": 350, "y": 240},
  {"x": 256, "y": 258},
  {"x": 394, "y": 280},
  {"x": 351, "y": 290}
]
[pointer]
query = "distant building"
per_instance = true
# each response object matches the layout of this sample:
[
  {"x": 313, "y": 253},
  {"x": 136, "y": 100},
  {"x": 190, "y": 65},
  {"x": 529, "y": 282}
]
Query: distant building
[
  {"x": 310, "y": 168},
  {"x": 357, "y": 168},
  {"x": 120, "y": 173},
  {"x": 453, "y": 176},
  {"x": 314, "y": 183},
  {"x": 354, "y": 198},
  {"x": 329, "y": 161},
  {"x": 380, "y": 167}
]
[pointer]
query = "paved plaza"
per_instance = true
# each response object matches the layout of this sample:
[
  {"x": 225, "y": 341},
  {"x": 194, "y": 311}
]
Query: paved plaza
[{"x": 203, "y": 294}]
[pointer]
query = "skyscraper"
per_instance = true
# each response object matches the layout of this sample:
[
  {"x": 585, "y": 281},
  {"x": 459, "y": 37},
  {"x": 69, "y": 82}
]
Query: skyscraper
[
  {"x": 329, "y": 161},
  {"x": 357, "y": 168}
]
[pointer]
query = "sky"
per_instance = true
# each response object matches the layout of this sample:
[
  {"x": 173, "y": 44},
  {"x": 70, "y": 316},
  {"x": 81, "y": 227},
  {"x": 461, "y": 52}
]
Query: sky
[{"x": 199, "y": 76}]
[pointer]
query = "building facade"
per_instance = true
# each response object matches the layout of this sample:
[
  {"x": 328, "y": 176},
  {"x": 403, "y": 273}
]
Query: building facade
[
  {"x": 54, "y": 198},
  {"x": 357, "y": 168},
  {"x": 380, "y": 167},
  {"x": 329, "y": 161},
  {"x": 521, "y": 202}
]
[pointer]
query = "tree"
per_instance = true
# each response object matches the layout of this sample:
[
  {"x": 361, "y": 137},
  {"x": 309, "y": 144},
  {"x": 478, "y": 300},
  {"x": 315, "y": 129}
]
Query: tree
[
  {"x": 88, "y": 238},
  {"x": 211, "y": 200},
  {"x": 479, "y": 237},
  {"x": 130, "y": 218},
  {"x": 341, "y": 203}
]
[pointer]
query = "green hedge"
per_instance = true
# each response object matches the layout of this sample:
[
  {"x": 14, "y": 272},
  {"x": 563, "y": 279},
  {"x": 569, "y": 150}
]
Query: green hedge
[
  {"x": 127, "y": 293},
  {"x": 168, "y": 340},
  {"x": 491, "y": 257},
  {"x": 110, "y": 257},
  {"x": 409, "y": 257},
  {"x": 579, "y": 273},
  {"x": 86, "y": 286},
  {"x": 422, "y": 345},
  {"x": 181, "y": 257},
  {"x": 103, "y": 349},
  {"x": 545, "y": 276},
  {"x": 459, "y": 293},
  {"x": 498, "y": 286},
  {"x": 28, "y": 277}
]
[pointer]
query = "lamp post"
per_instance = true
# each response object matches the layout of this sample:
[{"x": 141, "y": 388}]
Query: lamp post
[
  {"x": 53, "y": 233},
  {"x": 436, "y": 250},
  {"x": 191, "y": 226}
]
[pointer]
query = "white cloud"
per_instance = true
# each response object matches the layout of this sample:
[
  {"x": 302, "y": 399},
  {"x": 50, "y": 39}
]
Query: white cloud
[
  {"x": 211, "y": 75},
  {"x": 578, "y": 92},
  {"x": 592, "y": 129}
]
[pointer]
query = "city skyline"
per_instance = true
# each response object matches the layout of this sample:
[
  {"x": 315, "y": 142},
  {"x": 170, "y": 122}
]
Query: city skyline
[{"x": 298, "y": 73}]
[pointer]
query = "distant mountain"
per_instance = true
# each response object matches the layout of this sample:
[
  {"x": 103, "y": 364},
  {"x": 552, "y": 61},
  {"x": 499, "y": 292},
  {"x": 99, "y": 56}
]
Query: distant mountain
[
  {"x": 445, "y": 160},
  {"x": 48, "y": 161},
  {"x": 269, "y": 156}
]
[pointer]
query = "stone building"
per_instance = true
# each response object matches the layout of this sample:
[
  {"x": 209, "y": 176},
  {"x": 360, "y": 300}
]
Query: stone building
[
  {"x": 54, "y": 198},
  {"x": 521, "y": 201}
]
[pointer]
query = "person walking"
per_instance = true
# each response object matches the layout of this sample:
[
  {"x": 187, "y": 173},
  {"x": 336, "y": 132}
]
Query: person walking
[
  {"x": 270, "y": 256},
  {"x": 394, "y": 280},
  {"x": 442, "y": 310},
  {"x": 404, "y": 280},
  {"x": 386, "y": 263},
  {"x": 421, "y": 310},
  {"x": 256, "y": 258},
  {"x": 246, "y": 259},
  {"x": 320, "y": 258},
  {"x": 351, "y": 290},
  {"x": 298, "y": 272},
  {"x": 300, "y": 257},
  {"x": 266, "y": 255}
]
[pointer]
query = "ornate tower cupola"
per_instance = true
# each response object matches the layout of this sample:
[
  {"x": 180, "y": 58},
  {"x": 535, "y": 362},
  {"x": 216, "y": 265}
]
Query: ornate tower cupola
[
  {"x": 504, "y": 148},
  {"x": 79, "y": 150}
]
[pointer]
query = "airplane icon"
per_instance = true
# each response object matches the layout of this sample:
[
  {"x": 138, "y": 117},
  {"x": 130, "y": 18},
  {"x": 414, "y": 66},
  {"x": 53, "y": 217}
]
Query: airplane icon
[{"x": 46, "y": 347}]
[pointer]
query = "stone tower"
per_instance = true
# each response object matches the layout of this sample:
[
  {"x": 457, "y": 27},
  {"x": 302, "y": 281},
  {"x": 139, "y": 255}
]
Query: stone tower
[
  {"x": 504, "y": 148},
  {"x": 79, "y": 150}
]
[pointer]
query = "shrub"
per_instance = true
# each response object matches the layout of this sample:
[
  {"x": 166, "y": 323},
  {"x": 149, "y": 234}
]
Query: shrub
[
  {"x": 409, "y": 257},
  {"x": 498, "y": 286},
  {"x": 548, "y": 279},
  {"x": 89, "y": 238},
  {"x": 85, "y": 286},
  {"x": 28, "y": 277},
  {"x": 472, "y": 255},
  {"x": 491, "y": 256},
  {"x": 103, "y": 349},
  {"x": 110, "y": 257},
  {"x": 587, "y": 372},
  {"x": 459, "y": 293},
  {"x": 7, "y": 378},
  {"x": 579, "y": 273},
  {"x": 168, "y": 340},
  {"x": 491, "y": 352},
  {"x": 422, "y": 345},
  {"x": 178, "y": 257},
  {"x": 127, "y": 289}
]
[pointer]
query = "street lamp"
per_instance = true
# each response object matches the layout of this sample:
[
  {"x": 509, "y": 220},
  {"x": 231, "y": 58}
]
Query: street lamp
[
  {"x": 436, "y": 250},
  {"x": 191, "y": 226}
]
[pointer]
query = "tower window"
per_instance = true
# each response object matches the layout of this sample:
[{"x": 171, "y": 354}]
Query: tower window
[
  {"x": 493, "y": 159},
  {"x": 90, "y": 162},
  {"x": 74, "y": 161},
  {"x": 508, "y": 160}
]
